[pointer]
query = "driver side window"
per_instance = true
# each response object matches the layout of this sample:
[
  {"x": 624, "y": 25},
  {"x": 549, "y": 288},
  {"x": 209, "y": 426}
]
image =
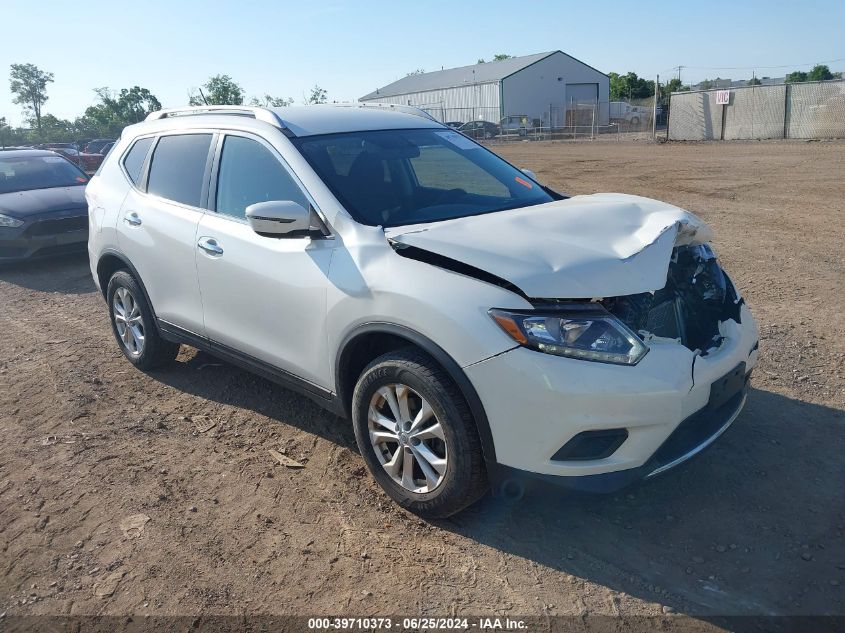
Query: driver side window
[{"x": 250, "y": 173}]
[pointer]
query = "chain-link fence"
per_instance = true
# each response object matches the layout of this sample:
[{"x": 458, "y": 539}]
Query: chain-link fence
[
  {"x": 576, "y": 119},
  {"x": 803, "y": 110}
]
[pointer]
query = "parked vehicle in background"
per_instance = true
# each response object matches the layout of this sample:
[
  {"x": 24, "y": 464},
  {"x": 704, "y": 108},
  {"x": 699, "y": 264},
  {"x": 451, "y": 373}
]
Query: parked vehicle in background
[
  {"x": 55, "y": 146},
  {"x": 96, "y": 145},
  {"x": 42, "y": 205},
  {"x": 87, "y": 162},
  {"x": 480, "y": 129},
  {"x": 454, "y": 124},
  {"x": 621, "y": 112},
  {"x": 518, "y": 124},
  {"x": 105, "y": 149},
  {"x": 476, "y": 326},
  {"x": 68, "y": 152}
]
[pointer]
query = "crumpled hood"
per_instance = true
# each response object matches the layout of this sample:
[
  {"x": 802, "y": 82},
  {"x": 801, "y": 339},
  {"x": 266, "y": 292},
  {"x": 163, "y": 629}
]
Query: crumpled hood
[{"x": 599, "y": 245}]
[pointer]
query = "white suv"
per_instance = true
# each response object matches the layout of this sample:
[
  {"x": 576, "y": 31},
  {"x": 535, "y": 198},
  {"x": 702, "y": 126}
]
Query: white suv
[{"x": 474, "y": 325}]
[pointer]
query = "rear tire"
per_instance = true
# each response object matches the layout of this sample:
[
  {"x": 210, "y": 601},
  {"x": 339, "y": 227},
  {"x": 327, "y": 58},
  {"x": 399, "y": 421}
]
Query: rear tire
[
  {"x": 134, "y": 326},
  {"x": 430, "y": 461}
]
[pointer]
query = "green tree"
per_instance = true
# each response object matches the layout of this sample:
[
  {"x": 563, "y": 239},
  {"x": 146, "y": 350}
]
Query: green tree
[
  {"x": 754, "y": 82},
  {"x": 116, "y": 110},
  {"x": 820, "y": 72},
  {"x": 56, "y": 130},
  {"x": 5, "y": 132},
  {"x": 674, "y": 85},
  {"x": 268, "y": 101},
  {"x": 705, "y": 85},
  {"x": 219, "y": 90},
  {"x": 318, "y": 95},
  {"x": 29, "y": 85},
  {"x": 629, "y": 86},
  {"x": 795, "y": 77},
  {"x": 496, "y": 58}
]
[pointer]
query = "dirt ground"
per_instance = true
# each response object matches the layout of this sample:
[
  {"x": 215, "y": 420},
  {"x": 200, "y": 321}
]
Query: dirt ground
[{"x": 754, "y": 526}]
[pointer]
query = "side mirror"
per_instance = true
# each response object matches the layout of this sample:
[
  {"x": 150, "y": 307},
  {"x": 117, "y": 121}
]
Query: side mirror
[
  {"x": 530, "y": 174},
  {"x": 276, "y": 218}
]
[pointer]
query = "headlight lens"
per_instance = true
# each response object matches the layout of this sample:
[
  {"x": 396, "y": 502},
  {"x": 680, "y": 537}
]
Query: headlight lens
[
  {"x": 584, "y": 332},
  {"x": 8, "y": 222}
]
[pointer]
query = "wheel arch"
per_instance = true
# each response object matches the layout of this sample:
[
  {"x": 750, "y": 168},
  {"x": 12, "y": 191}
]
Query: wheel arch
[
  {"x": 109, "y": 263},
  {"x": 370, "y": 340}
]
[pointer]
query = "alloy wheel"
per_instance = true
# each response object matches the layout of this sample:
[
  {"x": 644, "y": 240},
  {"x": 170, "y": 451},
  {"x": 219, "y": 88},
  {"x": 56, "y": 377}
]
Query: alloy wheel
[
  {"x": 407, "y": 438},
  {"x": 128, "y": 321}
]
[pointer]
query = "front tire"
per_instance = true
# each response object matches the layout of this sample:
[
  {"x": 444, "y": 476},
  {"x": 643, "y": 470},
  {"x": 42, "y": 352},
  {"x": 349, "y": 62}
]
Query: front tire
[
  {"x": 417, "y": 435},
  {"x": 133, "y": 324}
]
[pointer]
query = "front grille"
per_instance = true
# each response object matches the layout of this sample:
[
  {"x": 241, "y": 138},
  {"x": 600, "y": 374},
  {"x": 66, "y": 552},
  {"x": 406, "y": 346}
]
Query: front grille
[{"x": 57, "y": 227}]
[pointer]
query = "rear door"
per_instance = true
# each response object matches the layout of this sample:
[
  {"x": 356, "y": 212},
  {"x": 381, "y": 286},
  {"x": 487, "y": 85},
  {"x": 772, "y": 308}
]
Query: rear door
[{"x": 158, "y": 223}]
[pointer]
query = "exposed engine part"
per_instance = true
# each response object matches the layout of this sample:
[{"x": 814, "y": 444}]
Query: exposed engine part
[{"x": 698, "y": 295}]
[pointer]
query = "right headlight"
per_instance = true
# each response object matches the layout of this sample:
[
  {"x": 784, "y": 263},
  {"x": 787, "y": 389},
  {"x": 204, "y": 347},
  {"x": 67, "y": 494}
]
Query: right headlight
[
  {"x": 584, "y": 332},
  {"x": 11, "y": 223}
]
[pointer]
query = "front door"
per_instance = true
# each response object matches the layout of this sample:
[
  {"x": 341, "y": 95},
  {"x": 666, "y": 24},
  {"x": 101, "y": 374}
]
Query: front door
[{"x": 262, "y": 296}]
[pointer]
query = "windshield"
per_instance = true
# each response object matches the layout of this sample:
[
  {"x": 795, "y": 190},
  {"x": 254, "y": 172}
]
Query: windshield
[
  {"x": 38, "y": 172},
  {"x": 398, "y": 177}
]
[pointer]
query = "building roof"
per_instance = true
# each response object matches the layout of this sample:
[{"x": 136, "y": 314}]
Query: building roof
[{"x": 452, "y": 77}]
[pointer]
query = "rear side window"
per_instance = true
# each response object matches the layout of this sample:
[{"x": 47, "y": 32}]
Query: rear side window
[
  {"x": 134, "y": 160},
  {"x": 178, "y": 167},
  {"x": 250, "y": 173}
]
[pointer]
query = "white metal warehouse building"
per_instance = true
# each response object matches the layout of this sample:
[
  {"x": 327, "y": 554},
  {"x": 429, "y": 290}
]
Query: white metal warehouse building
[{"x": 542, "y": 87}]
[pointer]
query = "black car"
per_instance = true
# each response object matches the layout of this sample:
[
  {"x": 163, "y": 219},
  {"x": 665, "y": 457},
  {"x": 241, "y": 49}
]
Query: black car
[
  {"x": 480, "y": 129},
  {"x": 42, "y": 205},
  {"x": 96, "y": 145}
]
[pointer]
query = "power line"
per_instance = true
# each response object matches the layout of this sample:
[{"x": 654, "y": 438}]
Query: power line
[{"x": 830, "y": 61}]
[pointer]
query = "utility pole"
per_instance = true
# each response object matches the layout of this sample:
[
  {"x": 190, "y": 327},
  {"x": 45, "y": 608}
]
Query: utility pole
[{"x": 679, "y": 73}]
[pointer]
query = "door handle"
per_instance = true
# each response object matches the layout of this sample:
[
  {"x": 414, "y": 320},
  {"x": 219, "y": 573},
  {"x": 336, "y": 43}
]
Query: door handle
[
  {"x": 210, "y": 246},
  {"x": 132, "y": 219}
]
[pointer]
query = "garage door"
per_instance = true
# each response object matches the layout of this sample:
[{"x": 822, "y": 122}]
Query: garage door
[{"x": 581, "y": 93}]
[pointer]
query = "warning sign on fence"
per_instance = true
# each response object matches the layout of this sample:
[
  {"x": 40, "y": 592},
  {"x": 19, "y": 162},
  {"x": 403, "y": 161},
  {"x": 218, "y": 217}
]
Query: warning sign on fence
[{"x": 723, "y": 97}]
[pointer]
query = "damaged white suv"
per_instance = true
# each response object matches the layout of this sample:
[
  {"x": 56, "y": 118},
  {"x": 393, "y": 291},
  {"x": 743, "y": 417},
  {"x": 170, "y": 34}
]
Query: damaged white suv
[{"x": 475, "y": 325}]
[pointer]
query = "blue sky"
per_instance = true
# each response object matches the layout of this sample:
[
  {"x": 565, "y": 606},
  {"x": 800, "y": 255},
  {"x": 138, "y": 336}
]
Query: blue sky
[{"x": 351, "y": 48}]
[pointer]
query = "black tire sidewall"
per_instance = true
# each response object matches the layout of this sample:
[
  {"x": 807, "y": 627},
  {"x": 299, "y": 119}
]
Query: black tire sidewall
[
  {"x": 152, "y": 339},
  {"x": 453, "y": 417}
]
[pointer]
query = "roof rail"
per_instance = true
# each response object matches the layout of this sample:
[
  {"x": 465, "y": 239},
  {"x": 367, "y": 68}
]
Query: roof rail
[
  {"x": 387, "y": 106},
  {"x": 258, "y": 113}
]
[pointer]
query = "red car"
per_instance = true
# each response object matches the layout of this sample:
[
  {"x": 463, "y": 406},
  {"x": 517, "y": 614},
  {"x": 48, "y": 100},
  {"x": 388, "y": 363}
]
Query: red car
[{"x": 89, "y": 163}]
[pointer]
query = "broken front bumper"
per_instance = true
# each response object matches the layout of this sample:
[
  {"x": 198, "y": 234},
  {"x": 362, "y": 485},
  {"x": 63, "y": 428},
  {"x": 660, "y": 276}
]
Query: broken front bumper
[{"x": 536, "y": 403}]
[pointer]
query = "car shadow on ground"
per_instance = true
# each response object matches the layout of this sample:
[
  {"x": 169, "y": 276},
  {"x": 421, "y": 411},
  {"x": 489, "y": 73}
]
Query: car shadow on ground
[
  {"x": 753, "y": 526},
  {"x": 67, "y": 274},
  {"x": 216, "y": 380}
]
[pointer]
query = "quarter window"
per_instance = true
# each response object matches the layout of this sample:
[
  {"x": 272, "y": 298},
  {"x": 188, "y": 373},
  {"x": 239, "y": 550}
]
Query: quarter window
[
  {"x": 178, "y": 168},
  {"x": 251, "y": 173},
  {"x": 134, "y": 160}
]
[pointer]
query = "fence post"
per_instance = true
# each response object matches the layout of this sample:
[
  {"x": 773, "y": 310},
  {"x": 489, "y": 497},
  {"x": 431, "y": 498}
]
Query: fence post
[
  {"x": 786, "y": 112},
  {"x": 654, "y": 109}
]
